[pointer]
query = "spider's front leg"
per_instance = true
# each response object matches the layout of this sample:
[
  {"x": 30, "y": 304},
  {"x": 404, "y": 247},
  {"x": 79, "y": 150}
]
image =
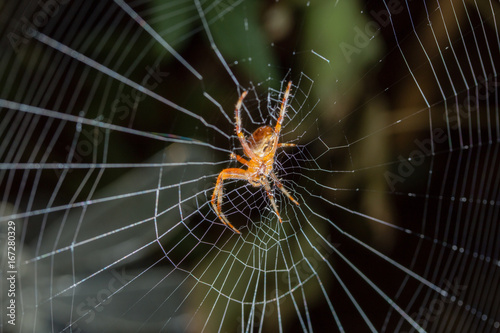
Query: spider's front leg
[
  {"x": 271, "y": 198},
  {"x": 282, "y": 188},
  {"x": 216, "y": 201}
]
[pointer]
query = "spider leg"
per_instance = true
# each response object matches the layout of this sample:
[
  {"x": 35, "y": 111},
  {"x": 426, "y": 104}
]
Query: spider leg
[
  {"x": 238, "y": 158},
  {"x": 271, "y": 198},
  {"x": 216, "y": 201},
  {"x": 283, "y": 189},
  {"x": 277, "y": 129},
  {"x": 244, "y": 144},
  {"x": 282, "y": 145}
]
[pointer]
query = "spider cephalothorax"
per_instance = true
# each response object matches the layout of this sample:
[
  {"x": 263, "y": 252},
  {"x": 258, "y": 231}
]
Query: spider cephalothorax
[{"x": 260, "y": 148}]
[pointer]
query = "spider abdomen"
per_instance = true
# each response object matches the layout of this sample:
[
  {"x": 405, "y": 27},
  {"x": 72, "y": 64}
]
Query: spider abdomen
[{"x": 263, "y": 141}]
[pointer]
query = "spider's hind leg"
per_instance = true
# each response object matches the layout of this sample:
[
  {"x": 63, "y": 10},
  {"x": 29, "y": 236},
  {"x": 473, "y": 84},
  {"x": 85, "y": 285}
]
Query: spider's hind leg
[
  {"x": 238, "y": 158},
  {"x": 283, "y": 145}
]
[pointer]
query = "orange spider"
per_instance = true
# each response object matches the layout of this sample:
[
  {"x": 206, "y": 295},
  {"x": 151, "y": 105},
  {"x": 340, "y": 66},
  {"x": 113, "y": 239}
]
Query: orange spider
[{"x": 260, "y": 148}]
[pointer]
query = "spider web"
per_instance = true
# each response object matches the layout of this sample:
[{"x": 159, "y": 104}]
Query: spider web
[{"x": 117, "y": 117}]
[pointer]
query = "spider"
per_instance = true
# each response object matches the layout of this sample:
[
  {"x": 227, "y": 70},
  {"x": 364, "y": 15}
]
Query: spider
[{"x": 260, "y": 148}]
